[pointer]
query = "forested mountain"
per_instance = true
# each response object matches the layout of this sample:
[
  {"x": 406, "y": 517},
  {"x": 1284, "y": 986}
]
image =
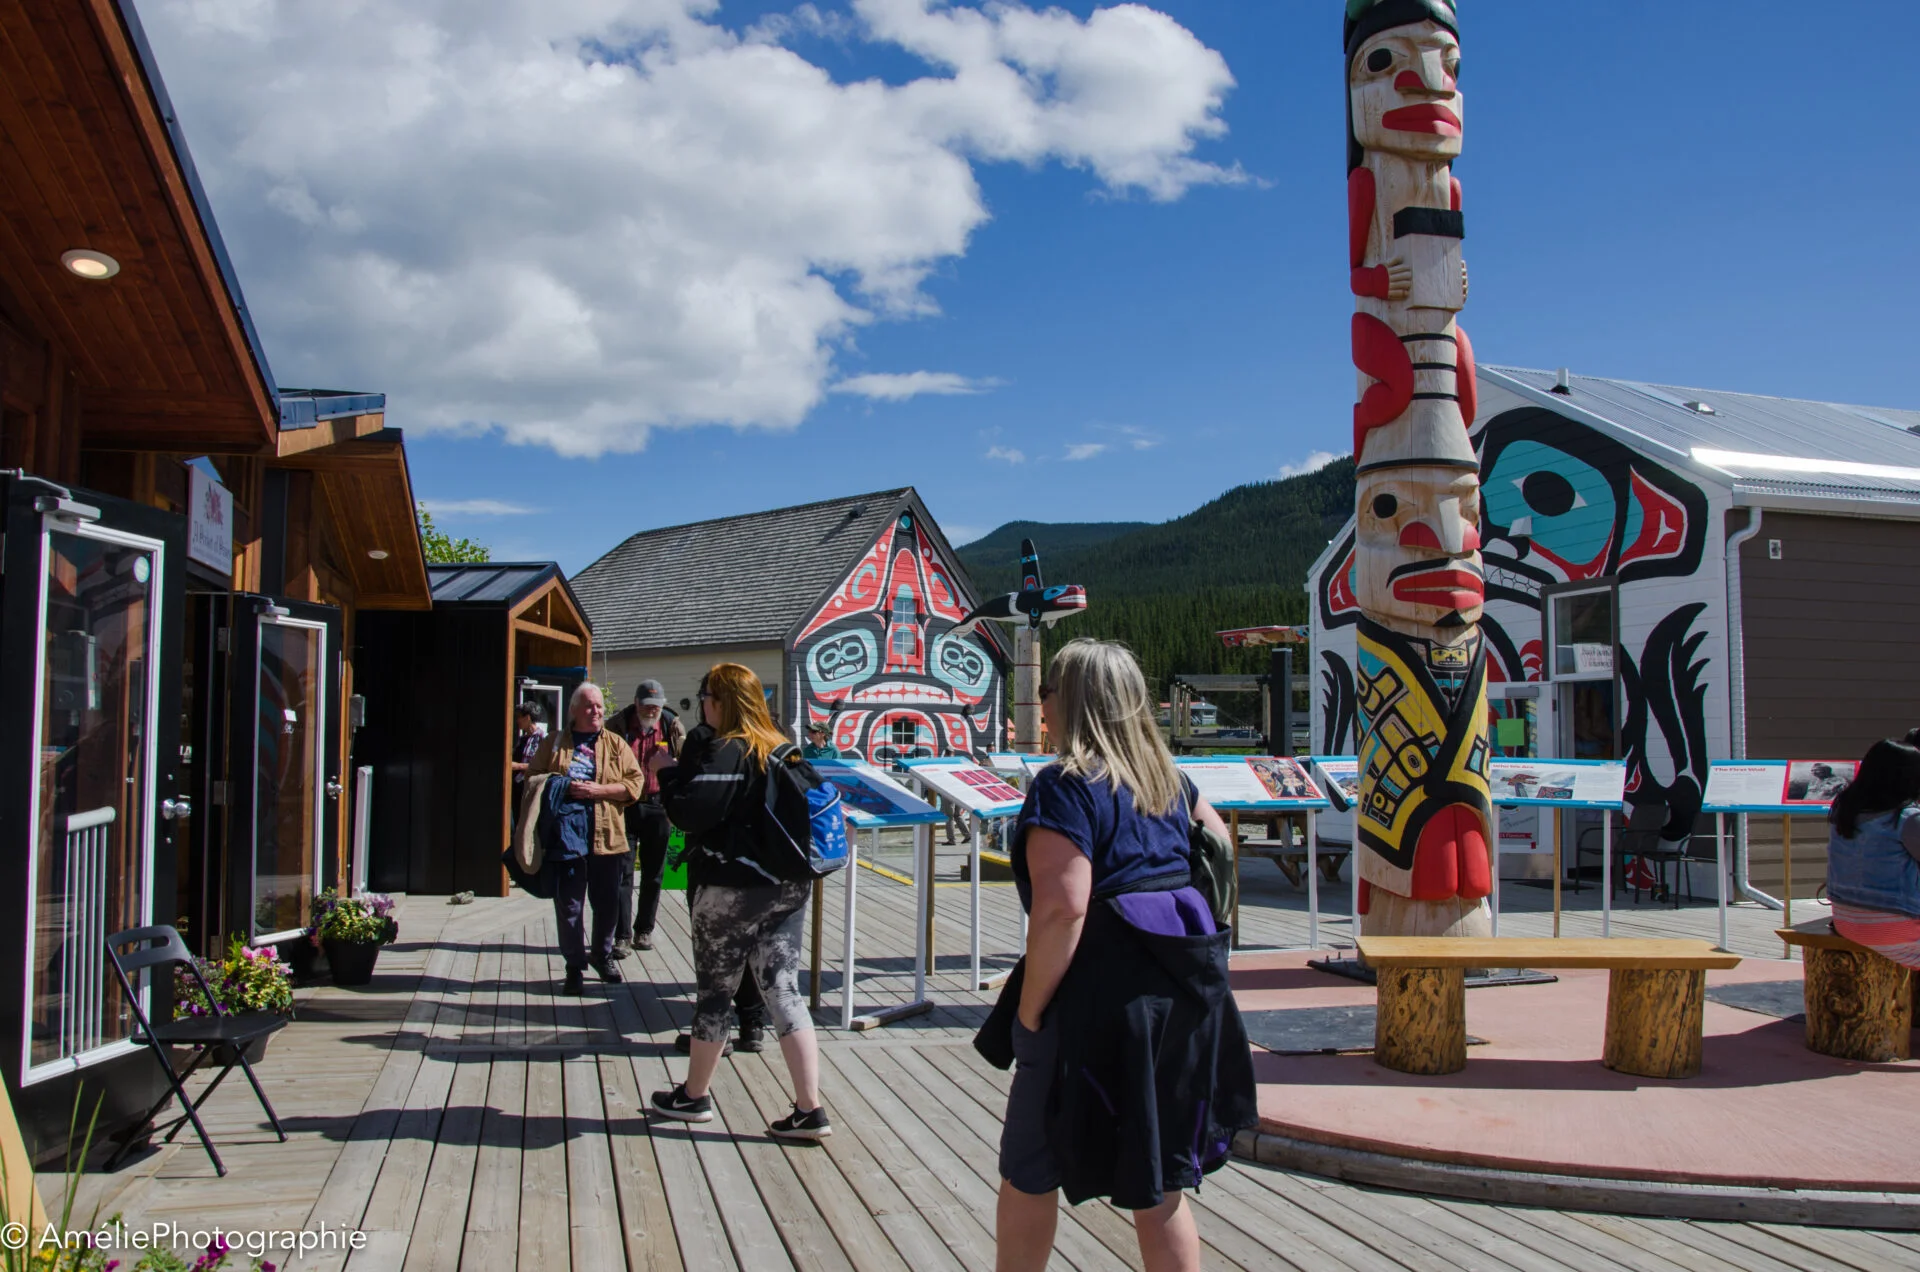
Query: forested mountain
[{"x": 1239, "y": 561}]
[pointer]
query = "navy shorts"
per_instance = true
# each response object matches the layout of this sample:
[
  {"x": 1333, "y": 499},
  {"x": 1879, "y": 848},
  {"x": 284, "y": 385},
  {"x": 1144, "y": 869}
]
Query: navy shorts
[{"x": 1026, "y": 1159}]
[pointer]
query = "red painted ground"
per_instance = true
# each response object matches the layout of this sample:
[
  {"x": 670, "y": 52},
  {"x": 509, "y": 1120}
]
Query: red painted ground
[{"x": 1764, "y": 1111}]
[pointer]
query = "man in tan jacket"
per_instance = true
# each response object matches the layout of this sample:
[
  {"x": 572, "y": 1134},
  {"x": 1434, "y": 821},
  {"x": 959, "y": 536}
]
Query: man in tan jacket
[{"x": 589, "y": 841}]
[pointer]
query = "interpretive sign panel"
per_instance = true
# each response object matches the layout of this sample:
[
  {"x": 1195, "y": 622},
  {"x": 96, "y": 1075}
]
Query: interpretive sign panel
[
  {"x": 1265, "y": 782},
  {"x": 1560, "y": 783},
  {"x": 981, "y": 792},
  {"x": 1339, "y": 777},
  {"x": 871, "y": 798},
  {"x": 1775, "y": 786}
]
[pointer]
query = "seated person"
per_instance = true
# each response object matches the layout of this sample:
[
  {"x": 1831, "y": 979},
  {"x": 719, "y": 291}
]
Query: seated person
[{"x": 1873, "y": 854}]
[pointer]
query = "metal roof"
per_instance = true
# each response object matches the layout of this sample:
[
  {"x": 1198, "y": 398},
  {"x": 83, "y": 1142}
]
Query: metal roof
[
  {"x": 304, "y": 408},
  {"x": 735, "y": 580},
  {"x": 499, "y": 584},
  {"x": 1759, "y": 445}
]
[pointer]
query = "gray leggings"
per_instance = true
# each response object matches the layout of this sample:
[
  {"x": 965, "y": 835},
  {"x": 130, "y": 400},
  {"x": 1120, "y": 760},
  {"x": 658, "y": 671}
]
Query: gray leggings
[{"x": 742, "y": 930}]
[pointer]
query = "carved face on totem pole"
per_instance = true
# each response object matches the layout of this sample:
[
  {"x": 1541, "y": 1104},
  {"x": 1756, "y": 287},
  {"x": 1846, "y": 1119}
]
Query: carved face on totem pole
[{"x": 1424, "y": 814}]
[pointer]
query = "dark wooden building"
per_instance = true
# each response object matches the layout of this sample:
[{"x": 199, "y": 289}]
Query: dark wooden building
[
  {"x": 187, "y": 547},
  {"x": 441, "y": 689}
]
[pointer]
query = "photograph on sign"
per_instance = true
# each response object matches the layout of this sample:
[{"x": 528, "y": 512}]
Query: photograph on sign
[
  {"x": 1817, "y": 781},
  {"x": 1746, "y": 784},
  {"x": 1283, "y": 778},
  {"x": 1224, "y": 783},
  {"x": 1340, "y": 774},
  {"x": 869, "y": 794},
  {"x": 980, "y": 791}
]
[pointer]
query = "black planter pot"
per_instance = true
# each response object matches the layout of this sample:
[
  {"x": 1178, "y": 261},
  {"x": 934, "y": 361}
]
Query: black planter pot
[
  {"x": 352, "y": 961},
  {"x": 300, "y": 954}
]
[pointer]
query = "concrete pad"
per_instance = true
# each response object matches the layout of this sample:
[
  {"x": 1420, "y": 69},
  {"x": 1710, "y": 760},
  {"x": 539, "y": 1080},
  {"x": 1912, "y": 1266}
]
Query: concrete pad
[{"x": 1765, "y": 1112}]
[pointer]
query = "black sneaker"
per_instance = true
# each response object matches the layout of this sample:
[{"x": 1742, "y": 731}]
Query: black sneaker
[
  {"x": 575, "y": 983},
  {"x": 681, "y": 1107},
  {"x": 811, "y": 1125},
  {"x": 683, "y": 1043},
  {"x": 753, "y": 1039},
  {"x": 609, "y": 973}
]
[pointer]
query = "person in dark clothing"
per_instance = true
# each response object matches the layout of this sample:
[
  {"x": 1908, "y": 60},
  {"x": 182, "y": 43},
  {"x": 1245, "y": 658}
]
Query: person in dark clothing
[
  {"x": 588, "y": 832},
  {"x": 1132, "y": 1070},
  {"x": 652, "y": 732},
  {"x": 817, "y": 747},
  {"x": 747, "y": 922},
  {"x": 526, "y": 741}
]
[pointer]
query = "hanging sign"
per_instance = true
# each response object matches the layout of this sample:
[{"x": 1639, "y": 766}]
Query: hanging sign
[
  {"x": 209, "y": 521},
  {"x": 1560, "y": 783}
]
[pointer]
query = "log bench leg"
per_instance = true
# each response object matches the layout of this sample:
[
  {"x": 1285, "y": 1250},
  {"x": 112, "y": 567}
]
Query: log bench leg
[
  {"x": 1420, "y": 1025},
  {"x": 1655, "y": 1021},
  {"x": 1859, "y": 1005}
]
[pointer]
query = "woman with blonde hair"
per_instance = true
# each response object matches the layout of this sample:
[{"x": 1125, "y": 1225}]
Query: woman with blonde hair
[
  {"x": 746, "y": 921},
  {"x": 1132, "y": 1068}
]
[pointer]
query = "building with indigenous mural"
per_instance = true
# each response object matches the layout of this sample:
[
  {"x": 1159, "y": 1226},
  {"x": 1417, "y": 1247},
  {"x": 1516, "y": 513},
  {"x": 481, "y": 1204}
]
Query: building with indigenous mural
[
  {"x": 845, "y": 609},
  {"x": 1673, "y": 576}
]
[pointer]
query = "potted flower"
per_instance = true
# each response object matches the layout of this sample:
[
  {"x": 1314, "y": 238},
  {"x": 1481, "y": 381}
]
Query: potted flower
[
  {"x": 352, "y": 932},
  {"x": 247, "y": 979}
]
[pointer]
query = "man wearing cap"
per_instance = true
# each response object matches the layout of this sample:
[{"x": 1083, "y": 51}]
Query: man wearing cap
[
  {"x": 655, "y": 737},
  {"x": 817, "y": 747}
]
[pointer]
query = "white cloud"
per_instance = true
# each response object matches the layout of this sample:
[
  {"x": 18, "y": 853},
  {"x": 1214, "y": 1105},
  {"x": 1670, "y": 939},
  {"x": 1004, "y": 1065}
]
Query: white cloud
[
  {"x": 475, "y": 508},
  {"x": 1084, "y": 450},
  {"x": 887, "y": 386},
  {"x": 1311, "y": 464},
  {"x": 1007, "y": 453},
  {"x": 578, "y": 222}
]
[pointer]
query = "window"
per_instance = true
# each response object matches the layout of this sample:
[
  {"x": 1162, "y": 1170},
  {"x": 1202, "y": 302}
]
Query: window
[
  {"x": 904, "y": 643},
  {"x": 904, "y": 734},
  {"x": 1581, "y": 633}
]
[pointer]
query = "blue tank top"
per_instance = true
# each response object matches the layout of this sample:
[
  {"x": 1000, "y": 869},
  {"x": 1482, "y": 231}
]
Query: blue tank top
[{"x": 1873, "y": 869}]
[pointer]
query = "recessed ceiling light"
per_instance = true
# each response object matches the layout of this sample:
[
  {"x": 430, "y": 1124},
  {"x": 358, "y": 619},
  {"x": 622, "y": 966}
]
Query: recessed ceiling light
[
  {"x": 95, "y": 266},
  {"x": 378, "y": 554}
]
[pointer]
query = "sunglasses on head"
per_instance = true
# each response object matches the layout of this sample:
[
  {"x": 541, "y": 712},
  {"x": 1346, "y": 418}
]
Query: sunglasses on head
[{"x": 1046, "y": 691}]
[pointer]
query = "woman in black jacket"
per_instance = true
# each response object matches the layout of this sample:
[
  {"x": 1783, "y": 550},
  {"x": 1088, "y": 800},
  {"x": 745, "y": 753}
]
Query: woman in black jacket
[
  {"x": 1133, "y": 1072},
  {"x": 745, "y": 920}
]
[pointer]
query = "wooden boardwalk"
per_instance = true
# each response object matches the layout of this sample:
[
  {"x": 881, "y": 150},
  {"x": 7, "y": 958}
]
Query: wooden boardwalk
[{"x": 464, "y": 1117}]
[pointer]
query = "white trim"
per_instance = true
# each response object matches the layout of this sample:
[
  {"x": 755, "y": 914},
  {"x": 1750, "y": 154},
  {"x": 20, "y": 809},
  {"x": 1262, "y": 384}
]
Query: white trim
[
  {"x": 1727, "y": 460},
  {"x": 144, "y": 828},
  {"x": 262, "y": 621},
  {"x": 274, "y": 938}
]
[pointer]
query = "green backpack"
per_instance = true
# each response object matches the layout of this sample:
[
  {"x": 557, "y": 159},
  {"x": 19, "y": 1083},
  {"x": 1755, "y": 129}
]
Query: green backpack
[{"x": 1210, "y": 867}]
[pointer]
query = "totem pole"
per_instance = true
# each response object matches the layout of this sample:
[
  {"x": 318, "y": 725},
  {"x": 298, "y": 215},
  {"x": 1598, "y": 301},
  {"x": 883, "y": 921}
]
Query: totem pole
[
  {"x": 1039, "y": 606},
  {"x": 1424, "y": 815}
]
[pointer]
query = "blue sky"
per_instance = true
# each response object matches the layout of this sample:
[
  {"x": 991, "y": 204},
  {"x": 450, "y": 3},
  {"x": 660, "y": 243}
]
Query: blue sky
[{"x": 1684, "y": 193}]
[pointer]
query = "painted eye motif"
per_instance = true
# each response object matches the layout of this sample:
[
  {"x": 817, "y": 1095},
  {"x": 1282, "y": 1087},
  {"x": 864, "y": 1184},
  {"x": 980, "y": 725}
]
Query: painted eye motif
[
  {"x": 1384, "y": 506},
  {"x": 1379, "y": 60},
  {"x": 1549, "y": 494}
]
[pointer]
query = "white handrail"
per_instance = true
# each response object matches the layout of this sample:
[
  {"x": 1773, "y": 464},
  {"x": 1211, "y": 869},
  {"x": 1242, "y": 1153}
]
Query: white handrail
[{"x": 91, "y": 818}]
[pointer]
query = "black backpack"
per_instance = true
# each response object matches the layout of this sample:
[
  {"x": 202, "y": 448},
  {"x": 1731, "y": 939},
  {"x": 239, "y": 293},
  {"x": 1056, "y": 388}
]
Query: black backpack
[{"x": 803, "y": 830}]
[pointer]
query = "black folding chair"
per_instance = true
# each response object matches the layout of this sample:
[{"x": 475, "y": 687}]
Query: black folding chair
[
  {"x": 160, "y": 948},
  {"x": 1637, "y": 839}
]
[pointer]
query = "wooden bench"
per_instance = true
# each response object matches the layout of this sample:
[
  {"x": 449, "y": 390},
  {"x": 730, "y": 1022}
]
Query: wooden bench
[
  {"x": 1292, "y": 858},
  {"x": 1655, "y": 1021},
  {"x": 1859, "y": 1003}
]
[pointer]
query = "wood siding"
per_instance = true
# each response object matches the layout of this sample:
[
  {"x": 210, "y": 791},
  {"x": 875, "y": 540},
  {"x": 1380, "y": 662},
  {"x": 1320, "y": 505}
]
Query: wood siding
[{"x": 1831, "y": 630}]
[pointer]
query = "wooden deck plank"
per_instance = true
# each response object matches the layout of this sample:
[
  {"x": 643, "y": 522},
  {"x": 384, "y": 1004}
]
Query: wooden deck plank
[
  {"x": 593, "y": 1202},
  {"x": 440, "y": 1223},
  {"x": 491, "y": 1242}
]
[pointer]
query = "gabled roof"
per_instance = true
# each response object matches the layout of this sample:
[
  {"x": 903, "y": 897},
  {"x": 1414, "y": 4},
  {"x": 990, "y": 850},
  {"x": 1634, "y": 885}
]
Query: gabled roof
[
  {"x": 1768, "y": 450},
  {"x": 736, "y": 580},
  {"x": 495, "y": 584}
]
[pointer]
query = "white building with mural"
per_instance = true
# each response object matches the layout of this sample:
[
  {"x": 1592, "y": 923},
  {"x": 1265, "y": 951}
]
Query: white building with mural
[{"x": 1674, "y": 576}]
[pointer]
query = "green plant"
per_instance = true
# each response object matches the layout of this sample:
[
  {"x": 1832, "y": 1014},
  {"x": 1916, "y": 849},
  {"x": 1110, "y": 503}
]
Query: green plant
[
  {"x": 364, "y": 920},
  {"x": 245, "y": 980},
  {"x": 442, "y": 548}
]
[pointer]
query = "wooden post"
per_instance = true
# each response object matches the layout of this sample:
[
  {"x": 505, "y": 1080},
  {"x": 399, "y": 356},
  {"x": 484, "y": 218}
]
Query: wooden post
[
  {"x": 1557, "y": 872},
  {"x": 1420, "y": 1024},
  {"x": 1655, "y": 1021},
  {"x": 1786, "y": 874},
  {"x": 1859, "y": 1005},
  {"x": 819, "y": 914},
  {"x": 1233, "y": 829}
]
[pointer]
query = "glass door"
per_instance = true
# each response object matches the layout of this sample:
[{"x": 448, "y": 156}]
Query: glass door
[
  {"x": 290, "y": 774},
  {"x": 96, "y": 705}
]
